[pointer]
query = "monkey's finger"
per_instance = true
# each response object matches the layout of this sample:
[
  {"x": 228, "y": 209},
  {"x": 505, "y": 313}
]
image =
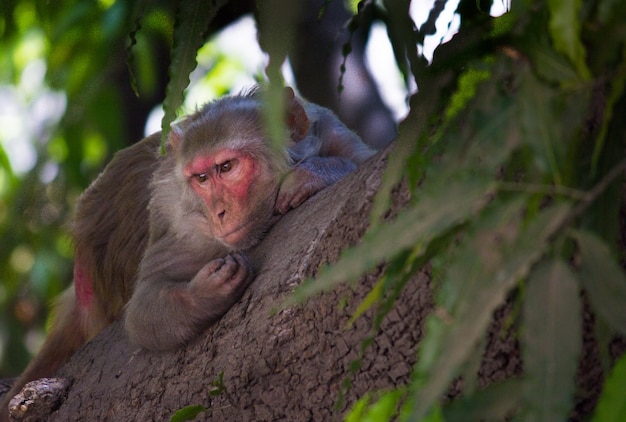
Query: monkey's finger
[
  {"x": 296, "y": 198},
  {"x": 282, "y": 204},
  {"x": 229, "y": 269},
  {"x": 302, "y": 195},
  {"x": 290, "y": 200},
  {"x": 244, "y": 274},
  {"x": 214, "y": 266},
  {"x": 241, "y": 260}
]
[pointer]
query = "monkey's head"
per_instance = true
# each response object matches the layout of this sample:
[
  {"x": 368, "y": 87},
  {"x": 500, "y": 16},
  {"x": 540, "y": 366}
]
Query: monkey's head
[{"x": 225, "y": 164}]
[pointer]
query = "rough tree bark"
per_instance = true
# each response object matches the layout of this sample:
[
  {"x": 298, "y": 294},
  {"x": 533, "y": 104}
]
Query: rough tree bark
[{"x": 288, "y": 365}]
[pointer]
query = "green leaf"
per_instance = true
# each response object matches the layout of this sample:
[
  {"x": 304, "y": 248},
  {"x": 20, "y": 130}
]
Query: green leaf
[
  {"x": 489, "y": 263},
  {"x": 273, "y": 112},
  {"x": 7, "y": 177},
  {"x": 537, "y": 125},
  {"x": 612, "y": 406},
  {"x": 385, "y": 408},
  {"x": 437, "y": 211},
  {"x": 192, "y": 22},
  {"x": 370, "y": 299},
  {"x": 276, "y": 24},
  {"x": 400, "y": 30},
  {"x": 494, "y": 403},
  {"x": 409, "y": 133},
  {"x": 399, "y": 271},
  {"x": 136, "y": 15},
  {"x": 564, "y": 29},
  {"x": 551, "y": 341},
  {"x": 616, "y": 92},
  {"x": 603, "y": 279},
  {"x": 188, "y": 413},
  {"x": 217, "y": 386},
  {"x": 358, "y": 409},
  {"x": 553, "y": 67},
  {"x": 412, "y": 138},
  {"x": 469, "y": 82},
  {"x": 434, "y": 415}
]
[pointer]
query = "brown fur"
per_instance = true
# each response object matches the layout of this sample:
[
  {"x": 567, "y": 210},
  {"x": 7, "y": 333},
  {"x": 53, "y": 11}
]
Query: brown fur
[{"x": 143, "y": 240}]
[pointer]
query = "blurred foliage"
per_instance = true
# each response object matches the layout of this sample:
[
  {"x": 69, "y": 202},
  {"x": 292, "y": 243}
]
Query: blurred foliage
[{"x": 514, "y": 148}]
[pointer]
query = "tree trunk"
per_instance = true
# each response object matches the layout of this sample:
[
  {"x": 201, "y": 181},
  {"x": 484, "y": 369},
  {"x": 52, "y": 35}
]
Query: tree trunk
[{"x": 286, "y": 365}]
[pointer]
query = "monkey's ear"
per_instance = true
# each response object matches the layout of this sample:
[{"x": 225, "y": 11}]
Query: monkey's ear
[
  {"x": 297, "y": 120},
  {"x": 175, "y": 138}
]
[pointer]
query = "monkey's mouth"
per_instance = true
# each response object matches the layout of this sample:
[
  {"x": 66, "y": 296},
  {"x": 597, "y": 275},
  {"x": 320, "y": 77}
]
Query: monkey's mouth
[
  {"x": 234, "y": 235},
  {"x": 246, "y": 235},
  {"x": 241, "y": 237}
]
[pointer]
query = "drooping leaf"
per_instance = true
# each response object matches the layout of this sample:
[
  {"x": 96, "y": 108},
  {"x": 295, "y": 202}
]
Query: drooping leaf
[
  {"x": 450, "y": 195},
  {"x": 412, "y": 139},
  {"x": 603, "y": 279},
  {"x": 434, "y": 415},
  {"x": 136, "y": 15},
  {"x": 565, "y": 32},
  {"x": 192, "y": 23},
  {"x": 553, "y": 67},
  {"x": 612, "y": 406},
  {"x": 384, "y": 408},
  {"x": 370, "y": 299},
  {"x": 494, "y": 403},
  {"x": 187, "y": 413},
  {"x": 468, "y": 84},
  {"x": 217, "y": 386},
  {"x": 415, "y": 133},
  {"x": 398, "y": 272},
  {"x": 401, "y": 33},
  {"x": 352, "y": 25},
  {"x": 355, "y": 414},
  {"x": 616, "y": 92},
  {"x": 551, "y": 341},
  {"x": 276, "y": 24},
  {"x": 417, "y": 225},
  {"x": 537, "y": 125},
  {"x": 277, "y": 21},
  {"x": 7, "y": 177},
  {"x": 409, "y": 136},
  {"x": 489, "y": 263}
]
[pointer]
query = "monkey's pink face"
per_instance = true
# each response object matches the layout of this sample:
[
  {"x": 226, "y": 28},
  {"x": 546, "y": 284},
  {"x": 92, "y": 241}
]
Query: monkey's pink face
[{"x": 234, "y": 186}]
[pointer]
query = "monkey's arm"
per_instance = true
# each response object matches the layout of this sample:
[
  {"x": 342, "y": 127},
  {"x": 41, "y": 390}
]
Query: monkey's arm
[
  {"x": 179, "y": 294},
  {"x": 329, "y": 152},
  {"x": 336, "y": 140},
  {"x": 309, "y": 177}
]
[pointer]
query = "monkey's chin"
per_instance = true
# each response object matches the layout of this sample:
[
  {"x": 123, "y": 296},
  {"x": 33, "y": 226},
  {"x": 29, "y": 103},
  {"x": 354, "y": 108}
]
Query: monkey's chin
[
  {"x": 241, "y": 238},
  {"x": 248, "y": 235}
]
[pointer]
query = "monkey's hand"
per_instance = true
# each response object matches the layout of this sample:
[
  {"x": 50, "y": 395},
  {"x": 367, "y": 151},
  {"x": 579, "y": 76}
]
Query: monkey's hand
[
  {"x": 309, "y": 177},
  {"x": 298, "y": 185},
  {"x": 165, "y": 315},
  {"x": 220, "y": 284}
]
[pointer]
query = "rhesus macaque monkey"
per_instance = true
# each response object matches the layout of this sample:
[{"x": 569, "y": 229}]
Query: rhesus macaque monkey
[{"x": 160, "y": 237}]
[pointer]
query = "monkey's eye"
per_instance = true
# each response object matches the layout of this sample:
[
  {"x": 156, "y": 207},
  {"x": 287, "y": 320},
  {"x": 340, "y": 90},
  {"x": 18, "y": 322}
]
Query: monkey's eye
[
  {"x": 201, "y": 177},
  {"x": 225, "y": 167}
]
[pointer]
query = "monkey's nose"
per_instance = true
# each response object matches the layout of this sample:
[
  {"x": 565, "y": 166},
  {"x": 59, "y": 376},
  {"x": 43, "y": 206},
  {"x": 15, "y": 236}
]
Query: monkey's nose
[{"x": 221, "y": 214}]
